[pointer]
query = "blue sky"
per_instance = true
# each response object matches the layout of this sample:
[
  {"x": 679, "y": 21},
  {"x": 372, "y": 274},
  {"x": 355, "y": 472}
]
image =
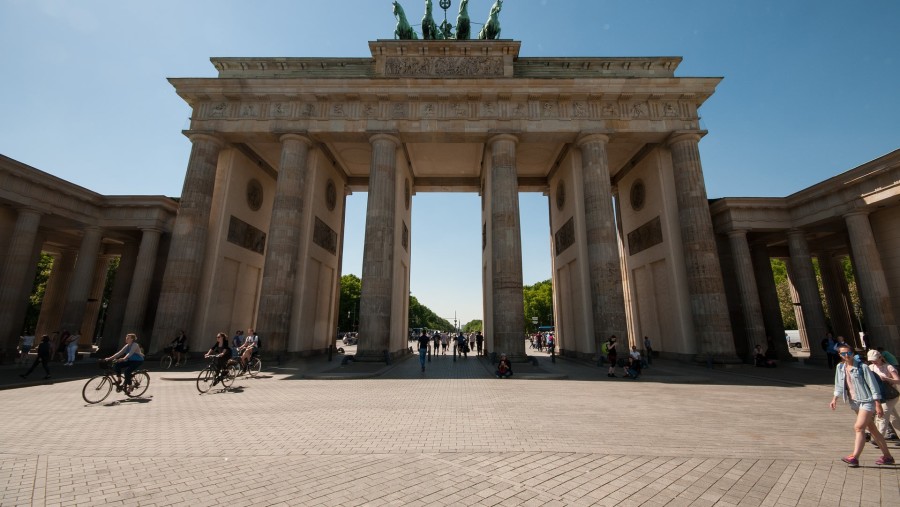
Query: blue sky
[{"x": 810, "y": 91}]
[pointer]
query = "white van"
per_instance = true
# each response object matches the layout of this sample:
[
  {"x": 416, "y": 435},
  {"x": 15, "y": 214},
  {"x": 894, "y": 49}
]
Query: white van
[{"x": 793, "y": 338}]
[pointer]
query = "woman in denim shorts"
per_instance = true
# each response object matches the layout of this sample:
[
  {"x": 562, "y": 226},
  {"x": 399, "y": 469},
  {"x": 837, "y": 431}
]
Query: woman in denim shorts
[{"x": 856, "y": 384}]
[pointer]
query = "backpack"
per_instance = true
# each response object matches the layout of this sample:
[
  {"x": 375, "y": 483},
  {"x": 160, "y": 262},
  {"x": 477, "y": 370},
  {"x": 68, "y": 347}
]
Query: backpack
[
  {"x": 888, "y": 392},
  {"x": 258, "y": 343},
  {"x": 605, "y": 348}
]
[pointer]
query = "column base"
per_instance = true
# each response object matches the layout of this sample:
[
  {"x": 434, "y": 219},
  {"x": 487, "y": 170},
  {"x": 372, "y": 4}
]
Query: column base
[{"x": 714, "y": 359}]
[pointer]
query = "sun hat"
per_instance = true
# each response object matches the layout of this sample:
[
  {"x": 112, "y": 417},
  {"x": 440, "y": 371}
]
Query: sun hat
[{"x": 874, "y": 355}]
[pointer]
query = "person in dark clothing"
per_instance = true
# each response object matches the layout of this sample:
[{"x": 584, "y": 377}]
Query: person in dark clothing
[
  {"x": 43, "y": 357},
  {"x": 423, "y": 348},
  {"x": 504, "y": 367}
]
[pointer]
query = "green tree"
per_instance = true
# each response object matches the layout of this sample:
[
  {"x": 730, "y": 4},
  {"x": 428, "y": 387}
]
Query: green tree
[
  {"x": 473, "y": 325},
  {"x": 39, "y": 287},
  {"x": 782, "y": 287},
  {"x": 351, "y": 287},
  {"x": 538, "y": 300}
]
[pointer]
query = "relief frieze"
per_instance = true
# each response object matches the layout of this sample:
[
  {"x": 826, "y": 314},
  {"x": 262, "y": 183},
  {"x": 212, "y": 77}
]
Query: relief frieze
[
  {"x": 244, "y": 235},
  {"x": 443, "y": 66},
  {"x": 645, "y": 236},
  {"x": 325, "y": 237},
  {"x": 565, "y": 236}
]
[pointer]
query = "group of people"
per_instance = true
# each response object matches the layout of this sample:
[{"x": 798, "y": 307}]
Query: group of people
[
  {"x": 540, "y": 341},
  {"x": 869, "y": 387},
  {"x": 463, "y": 343},
  {"x": 632, "y": 365}
]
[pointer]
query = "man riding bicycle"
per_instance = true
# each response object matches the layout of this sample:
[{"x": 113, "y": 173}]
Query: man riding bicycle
[
  {"x": 249, "y": 348},
  {"x": 222, "y": 352}
]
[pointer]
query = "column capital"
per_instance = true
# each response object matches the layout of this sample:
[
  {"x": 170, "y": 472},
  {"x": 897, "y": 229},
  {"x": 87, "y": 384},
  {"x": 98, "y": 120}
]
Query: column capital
[
  {"x": 503, "y": 137},
  {"x": 592, "y": 137},
  {"x": 855, "y": 213},
  {"x": 385, "y": 137},
  {"x": 737, "y": 233},
  {"x": 209, "y": 137},
  {"x": 680, "y": 136},
  {"x": 151, "y": 229},
  {"x": 296, "y": 136},
  {"x": 796, "y": 232}
]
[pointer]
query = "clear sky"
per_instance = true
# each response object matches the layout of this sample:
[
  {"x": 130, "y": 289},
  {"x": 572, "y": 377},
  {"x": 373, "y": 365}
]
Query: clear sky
[{"x": 810, "y": 91}]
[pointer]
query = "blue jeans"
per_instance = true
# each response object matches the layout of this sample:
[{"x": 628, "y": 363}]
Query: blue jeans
[{"x": 422, "y": 353}]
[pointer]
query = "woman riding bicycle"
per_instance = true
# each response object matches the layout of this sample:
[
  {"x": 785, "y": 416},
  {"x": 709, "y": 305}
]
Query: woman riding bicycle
[
  {"x": 222, "y": 352},
  {"x": 130, "y": 358}
]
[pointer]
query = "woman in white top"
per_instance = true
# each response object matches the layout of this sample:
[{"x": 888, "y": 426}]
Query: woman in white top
[
  {"x": 889, "y": 376},
  {"x": 130, "y": 358}
]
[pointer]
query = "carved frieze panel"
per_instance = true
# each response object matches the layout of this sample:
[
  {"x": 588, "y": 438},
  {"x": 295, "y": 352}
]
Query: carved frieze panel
[
  {"x": 443, "y": 66},
  {"x": 369, "y": 110},
  {"x": 609, "y": 110},
  {"x": 280, "y": 110},
  {"x": 244, "y": 235},
  {"x": 399, "y": 110},
  {"x": 217, "y": 110},
  {"x": 250, "y": 110},
  {"x": 308, "y": 110},
  {"x": 638, "y": 110},
  {"x": 565, "y": 236},
  {"x": 325, "y": 237},
  {"x": 645, "y": 236},
  {"x": 549, "y": 109},
  {"x": 580, "y": 109},
  {"x": 338, "y": 110},
  {"x": 427, "y": 110}
]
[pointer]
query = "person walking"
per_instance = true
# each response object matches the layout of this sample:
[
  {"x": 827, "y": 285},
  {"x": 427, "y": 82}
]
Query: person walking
[
  {"x": 890, "y": 378},
  {"x": 423, "y": 349},
  {"x": 858, "y": 387},
  {"x": 648, "y": 351},
  {"x": 611, "y": 355},
  {"x": 71, "y": 349},
  {"x": 43, "y": 357}
]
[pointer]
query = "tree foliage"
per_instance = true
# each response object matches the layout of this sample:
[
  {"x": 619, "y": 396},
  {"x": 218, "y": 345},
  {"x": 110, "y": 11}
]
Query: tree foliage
[
  {"x": 538, "y": 300},
  {"x": 473, "y": 325},
  {"x": 351, "y": 288},
  {"x": 42, "y": 275}
]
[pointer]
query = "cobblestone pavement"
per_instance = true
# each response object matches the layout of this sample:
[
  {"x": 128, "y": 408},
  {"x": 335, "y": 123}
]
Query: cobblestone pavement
[{"x": 681, "y": 435}]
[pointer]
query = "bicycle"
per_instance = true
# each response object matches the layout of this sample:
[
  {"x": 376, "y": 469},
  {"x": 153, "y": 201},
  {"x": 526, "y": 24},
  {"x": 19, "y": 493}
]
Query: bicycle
[
  {"x": 98, "y": 387},
  {"x": 168, "y": 359},
  {"x": 254, "y": 365},
  {"x": 207, "y": 377}
]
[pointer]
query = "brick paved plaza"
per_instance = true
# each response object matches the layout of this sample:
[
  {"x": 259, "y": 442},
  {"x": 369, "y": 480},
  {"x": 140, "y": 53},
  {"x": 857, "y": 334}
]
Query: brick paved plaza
[{"x": 559, "y": 434}]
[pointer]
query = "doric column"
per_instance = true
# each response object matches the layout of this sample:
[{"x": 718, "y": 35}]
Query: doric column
[
  {"x": 506, "y": 250},
  {"x": 768, "y": 298},
  {"x": 604, "y": 264},
  {"x": 838, "y": 308},
  {"x": 55, "y": 293},
  {"x": 376, "y": 297},
  {"x": 112, "y": 320},
  {"x": 803, "y": 277},
  {"x": 704, "y": 275},
  {"x": 82, "y": 278},
  {"x": 881, "y": 327},
  {"x": 17, "y": 281},
  {"x": 754, "y": 328},
  {"x": 94, "y": 301},
  {"x": 277, "y": 293},
  {"x": 184, "y": 266},
  {"x": 136, "y": 305}
]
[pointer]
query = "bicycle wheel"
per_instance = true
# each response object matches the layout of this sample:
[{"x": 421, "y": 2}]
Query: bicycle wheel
[
  {"x": 231, "y": 371},
  {"x": 166, "y": 362},
  {"x": 140, "y": 381},
  {"x": 205, "y": 380},
  {"x": 253, "y": 366},
  {"x": 96, "y": 389}
]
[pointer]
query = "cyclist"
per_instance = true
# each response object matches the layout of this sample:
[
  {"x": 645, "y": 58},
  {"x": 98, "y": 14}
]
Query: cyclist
[
  {"x": 177, "y": 347},
  {"x": 130, "y": 358},
  {"x": 251, "y": 343},
  {"x": 222, "y": 352}
]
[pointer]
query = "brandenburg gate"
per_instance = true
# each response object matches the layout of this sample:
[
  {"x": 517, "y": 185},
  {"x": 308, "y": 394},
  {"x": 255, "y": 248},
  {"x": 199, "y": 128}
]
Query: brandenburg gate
[{"x": 278, "y": 144}]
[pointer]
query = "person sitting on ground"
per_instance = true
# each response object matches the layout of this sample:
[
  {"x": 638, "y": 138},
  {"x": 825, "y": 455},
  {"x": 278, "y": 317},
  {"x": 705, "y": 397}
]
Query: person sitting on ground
[
  {"x": 129, "y": 359},
  {"x": 635, "y": 363},
  {"x": 504, "y": 367},
  {"x": 222, "y": 352},
  {"x": 760, "y": 360}
]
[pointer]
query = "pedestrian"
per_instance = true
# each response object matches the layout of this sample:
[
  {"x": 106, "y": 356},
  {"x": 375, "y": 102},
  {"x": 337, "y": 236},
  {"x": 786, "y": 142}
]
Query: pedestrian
[
  {"x": 43, "y": 357},
  {"x": 423, "y": 349},
  {"x": 857, "y": 386},
  {"x": 829, "y": 345},
  {"x": 479, "y": 341},
  {"x": 71, "y": 348},
  {"x": 648, "y": 351},
  {"x": 611, "y": 355},
  {"x": 890, "y": 378}
]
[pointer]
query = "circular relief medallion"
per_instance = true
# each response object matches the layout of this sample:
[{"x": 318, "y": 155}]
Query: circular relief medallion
[
  {"x": 560, "y": 194},
  {"x": 254, "y": 194},
  {"x": 638, "y": 194},
  {"x": 330, "y": 195},
  {"x": 406, "y": 194}
]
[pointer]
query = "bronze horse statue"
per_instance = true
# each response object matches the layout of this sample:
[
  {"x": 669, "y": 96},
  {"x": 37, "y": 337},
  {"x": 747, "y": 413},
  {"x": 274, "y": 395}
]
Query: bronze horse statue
[
  {"x": 429, "y": 27},
  {"x": 463, "y": 26},
  {"x": 491, "y": 29},
  {"x": 403, "y": 30}
]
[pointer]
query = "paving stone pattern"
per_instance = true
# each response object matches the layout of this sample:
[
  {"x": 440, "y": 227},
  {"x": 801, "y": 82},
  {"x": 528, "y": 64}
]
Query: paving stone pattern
[{"x": 451, "y": 436}]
